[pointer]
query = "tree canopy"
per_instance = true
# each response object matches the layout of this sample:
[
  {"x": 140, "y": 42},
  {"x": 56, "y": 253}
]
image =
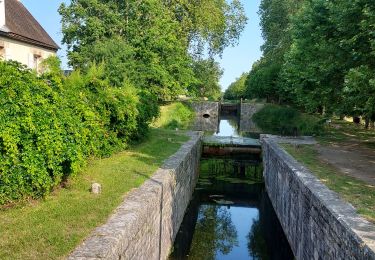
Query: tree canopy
[
  {"x": 318, "y": 56},
  {"x": 153, "y": 44},
  {"x": 236, "y": 90}
]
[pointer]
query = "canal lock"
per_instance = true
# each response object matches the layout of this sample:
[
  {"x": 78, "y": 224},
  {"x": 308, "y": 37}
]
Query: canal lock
[{"x": 230, "y": 215}]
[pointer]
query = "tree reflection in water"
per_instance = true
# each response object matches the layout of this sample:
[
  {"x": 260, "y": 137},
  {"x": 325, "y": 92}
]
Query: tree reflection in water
[
  {"x": 248, "y": 229},
  {"x": 256, "y": 244},
  {"x": 214, "y": 233}
]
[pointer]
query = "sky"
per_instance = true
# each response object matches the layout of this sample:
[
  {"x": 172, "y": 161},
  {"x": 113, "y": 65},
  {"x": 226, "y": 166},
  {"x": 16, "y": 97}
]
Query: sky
[
  {"x": 240, "y": 59},
  {"x": 235, "y": 60}
]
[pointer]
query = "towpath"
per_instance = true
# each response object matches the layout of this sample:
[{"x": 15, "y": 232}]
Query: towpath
[{"x": 350, "y": 158}]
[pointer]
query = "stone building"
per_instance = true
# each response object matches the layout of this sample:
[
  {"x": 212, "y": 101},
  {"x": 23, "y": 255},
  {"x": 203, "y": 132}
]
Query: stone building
[{"x": 22, "y": 38}]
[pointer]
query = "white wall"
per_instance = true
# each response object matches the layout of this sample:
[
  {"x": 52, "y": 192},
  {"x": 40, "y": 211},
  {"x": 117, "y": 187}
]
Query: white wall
[
  {"x": 2, "y": 13},
  {"x": 23, "y": 52}
]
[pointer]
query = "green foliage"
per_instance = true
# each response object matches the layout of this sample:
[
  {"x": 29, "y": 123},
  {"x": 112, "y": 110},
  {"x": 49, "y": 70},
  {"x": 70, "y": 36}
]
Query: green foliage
[
  {"x": 175, "y": 115},
  {"x": 148, "y": 110},
  {"x": 207, "y": 73},
  {"x": 44, "y": 230},
  {"x": 237, "y": 89},
  {"x": 39, "y": 136},
  {"x": 264, "y": 80},
  {"x": 52, "y": 66},
  {"x": 215, "y": 24},
  {"x": 318, "y": 56},
  {"x": 359, "y": 92},
  {"x": 50, "y": 125},
  {"x": 149, "y": 43},
  {"x": 287, "y": 121}
]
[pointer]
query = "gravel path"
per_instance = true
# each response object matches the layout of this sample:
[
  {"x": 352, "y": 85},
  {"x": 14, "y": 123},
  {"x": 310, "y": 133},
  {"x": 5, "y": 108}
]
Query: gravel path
[{"x": 351, "y": 159}]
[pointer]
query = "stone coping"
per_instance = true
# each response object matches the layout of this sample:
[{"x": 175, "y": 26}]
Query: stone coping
[
  {"x": 140, "y": 206},
  {"x": 361, "y": 230}
]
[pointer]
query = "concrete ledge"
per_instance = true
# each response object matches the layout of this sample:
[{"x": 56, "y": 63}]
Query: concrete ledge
[
  {"x": 317, "y": 223},
  {"x": 145, "y": 225}
]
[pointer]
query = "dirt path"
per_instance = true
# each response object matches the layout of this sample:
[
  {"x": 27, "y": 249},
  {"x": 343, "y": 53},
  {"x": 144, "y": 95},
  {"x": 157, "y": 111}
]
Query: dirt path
[{"x": 352, "y": 159}]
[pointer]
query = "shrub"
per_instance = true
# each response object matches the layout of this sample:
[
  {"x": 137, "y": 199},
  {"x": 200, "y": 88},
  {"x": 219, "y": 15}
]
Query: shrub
[
  {"x": 148, "y": 110},
  {"x": 175, "y": 115},
  {"x": 287, "y": 121},
  {"x": 40, "y": 140},
  {"x": 49, "y": 125}
]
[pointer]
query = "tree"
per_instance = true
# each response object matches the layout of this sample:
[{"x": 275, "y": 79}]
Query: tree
[
  {"x": 149, "y": 42},
  {"x": 359, "y": 93},
  {"x": 264, "y": 80},
  {"x": 137, "y": 41},
  {"x": 237, "y": 89},
  {"x": 207, "y": 73},
  {"x": 216, "y": 24},
  {"x": 315, "y": 65},
  {"x": 330, "y": 40}
]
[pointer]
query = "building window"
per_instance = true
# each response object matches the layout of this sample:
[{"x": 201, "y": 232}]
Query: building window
[
  {"x": 36, "y": 62},
  {"x": 2, "y": 53}
]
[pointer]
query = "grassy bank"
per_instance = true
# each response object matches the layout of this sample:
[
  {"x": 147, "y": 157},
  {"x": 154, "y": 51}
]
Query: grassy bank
[
  {"x": 340, "y": 131},
  {"x": 274, "y": 119},
  {"x": 358, "y": 193},
  {"x": 51, "y": 228},
  {"x": 175, "y": 115}
]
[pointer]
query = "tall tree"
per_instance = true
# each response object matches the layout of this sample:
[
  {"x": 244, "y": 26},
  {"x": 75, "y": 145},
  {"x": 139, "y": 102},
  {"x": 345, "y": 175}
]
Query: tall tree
[
  {"x": 151, "y": 41},
  {"x": 315, "y": 65},
  {"x": 237, "y": 89},
  {"x": 264, "y": 80},
  {"x": 136, "y": 39},
  {"x": 216, "y": 24},
  {"x": 207, "y": 73}
]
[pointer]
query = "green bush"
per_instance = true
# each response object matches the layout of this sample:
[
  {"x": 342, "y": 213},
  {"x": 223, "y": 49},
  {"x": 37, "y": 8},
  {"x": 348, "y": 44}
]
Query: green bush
[
  {"x": 175, "y": 115},
  {"x": 148, "y": 108},
  {"x": 49, "y": 125},
  {"x": 275, "y": 119}
]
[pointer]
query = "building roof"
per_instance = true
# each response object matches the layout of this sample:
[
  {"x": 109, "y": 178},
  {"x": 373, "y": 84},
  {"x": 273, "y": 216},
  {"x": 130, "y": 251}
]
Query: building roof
[{"x": 22, "y": 26}]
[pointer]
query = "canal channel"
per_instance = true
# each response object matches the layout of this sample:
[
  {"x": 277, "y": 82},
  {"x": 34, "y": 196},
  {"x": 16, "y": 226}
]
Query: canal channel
[{"x": 230, "y": 215}]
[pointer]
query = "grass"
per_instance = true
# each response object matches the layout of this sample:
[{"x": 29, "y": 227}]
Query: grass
[
  {"x": 342, "y": 131},
  {"x": 274, "y": 119},
  {"x": 175, "y": 115},
  {"x": 53, "y": 227},
  {"x": 360, "y": 194}
]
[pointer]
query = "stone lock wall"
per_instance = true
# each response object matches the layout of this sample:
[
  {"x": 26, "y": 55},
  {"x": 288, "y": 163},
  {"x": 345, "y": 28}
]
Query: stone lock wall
[
  {"x": 317, "y": 223},
  {"x": 145, "y": 225},
  {"x": 247, "y": 112},
  {"x": 206, "y": 107}
]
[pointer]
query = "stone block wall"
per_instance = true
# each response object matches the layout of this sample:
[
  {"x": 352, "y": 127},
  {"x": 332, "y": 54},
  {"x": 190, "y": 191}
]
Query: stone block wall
[
  {"x": 206, "y": 107},
  {"x": 317, "y": 223},
  {"x": 247, "y": 112},
  {"x": 145, "y": 225}
]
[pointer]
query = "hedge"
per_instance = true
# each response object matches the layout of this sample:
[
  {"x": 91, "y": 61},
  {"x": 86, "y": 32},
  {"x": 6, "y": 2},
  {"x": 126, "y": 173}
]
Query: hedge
[{"x": 50, "y": 125}]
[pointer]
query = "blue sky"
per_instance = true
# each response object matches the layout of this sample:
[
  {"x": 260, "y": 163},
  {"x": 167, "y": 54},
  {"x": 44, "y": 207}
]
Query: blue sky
[
  {"x": 239, "y": 59},
  {"x": 235, "y": 60}
]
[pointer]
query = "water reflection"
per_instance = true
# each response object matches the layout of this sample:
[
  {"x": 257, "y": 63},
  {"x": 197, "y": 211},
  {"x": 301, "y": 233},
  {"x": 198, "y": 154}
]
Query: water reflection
[
  {"x": 226, "y": 126},
  {"x": 215, "y": 233},
  {"x": 230, "y": 217}
]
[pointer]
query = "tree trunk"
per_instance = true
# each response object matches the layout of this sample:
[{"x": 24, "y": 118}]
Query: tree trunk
[{"x": 367, "y": 122}]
